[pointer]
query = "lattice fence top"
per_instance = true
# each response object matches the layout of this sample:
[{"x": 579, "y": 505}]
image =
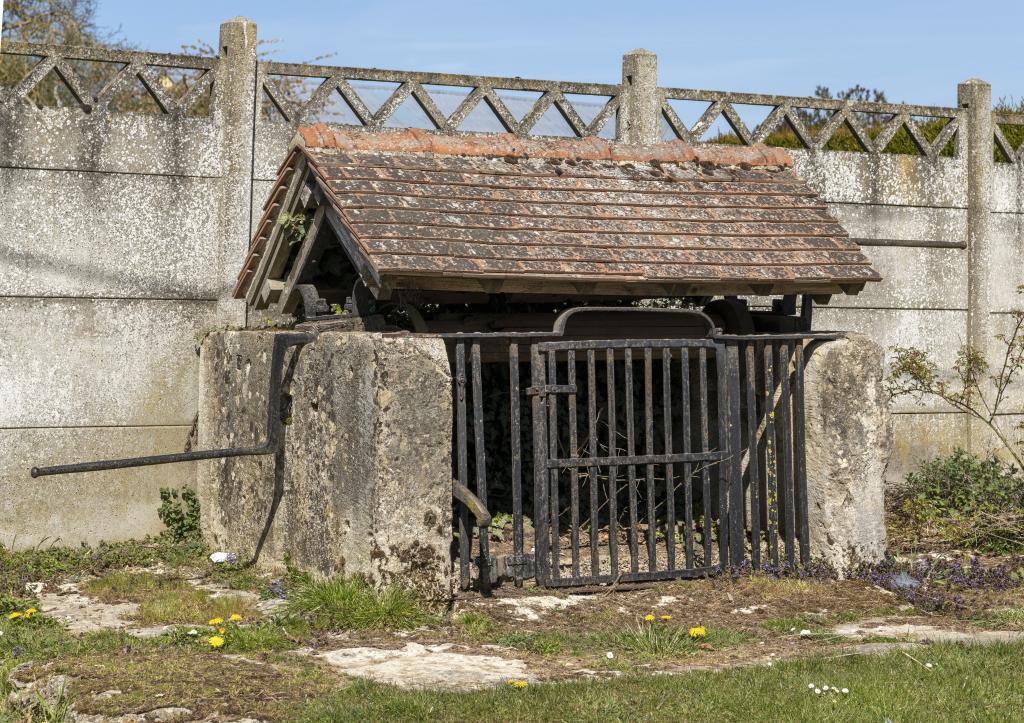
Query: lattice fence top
[
  {"x": 444, "y": 102},
  {"x": 814, "y": 123},
  {"x": 98, "y": 80}
]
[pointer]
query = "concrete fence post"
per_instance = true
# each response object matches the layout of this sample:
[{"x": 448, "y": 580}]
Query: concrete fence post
[
  {"x": 976, "y": 97},
  {"x": 235, "y": 106},
  {"x": 638, "y": 120}
]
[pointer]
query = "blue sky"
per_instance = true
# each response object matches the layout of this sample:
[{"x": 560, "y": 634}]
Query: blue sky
[{"x": 916, "y": 52}]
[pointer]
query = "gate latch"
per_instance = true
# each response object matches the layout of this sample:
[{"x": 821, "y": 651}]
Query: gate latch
[{"x": 546, "y": 389}]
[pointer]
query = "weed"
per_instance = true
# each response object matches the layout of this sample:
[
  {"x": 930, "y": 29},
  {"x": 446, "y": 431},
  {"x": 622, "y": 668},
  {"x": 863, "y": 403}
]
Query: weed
[
  {"x": 656, "y": 640},
  {"x": 135, "y": 587},
  {"x": 340, "y": 604},
  {"x": 541, "y": 643},
  {"x": 961, "y": 501},
  {"x": 179, "y": 511}
]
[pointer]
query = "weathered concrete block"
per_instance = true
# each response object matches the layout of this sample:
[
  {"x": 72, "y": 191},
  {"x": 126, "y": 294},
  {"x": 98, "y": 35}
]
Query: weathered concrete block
[
  {"x": 849, "y": 440},
  {"x": 363, "y": 484}
]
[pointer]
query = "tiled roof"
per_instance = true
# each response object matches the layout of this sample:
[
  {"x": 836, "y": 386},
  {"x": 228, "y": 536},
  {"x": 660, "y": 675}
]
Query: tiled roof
[{"x": 556, "y": 214}]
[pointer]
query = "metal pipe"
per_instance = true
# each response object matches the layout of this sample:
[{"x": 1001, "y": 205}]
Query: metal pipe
[
  {"x": 462, "y": 493},
  {"x": 282, "y": 341}
]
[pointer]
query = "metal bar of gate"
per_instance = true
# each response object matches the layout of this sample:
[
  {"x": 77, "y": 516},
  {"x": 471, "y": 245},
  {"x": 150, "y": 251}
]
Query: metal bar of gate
[
  {"x": 517, "y": 463},
  {"x": 702, "y": 362},
  {"x": 799, "y": 452},
  {"x": 770, "y": 462},
  {"x": 613, "y": 469},
  {"x": 724, "y": 470},
  {"x": 592, "y": 471},
  {"x": 480, "y": 453},
  {"x": 736, "y": 525},
  {"x": 634, "y": 564},
  {"x": 785, "y": 451},
  {"x": 684, "y": 393},
  {"x": 465, "y": 531},
  {"x": 574, "y": 476},
  {"x": 754, "y": 478},
  {"x": 652, "y": 561},
  {"x": 553, "y": 526},
  {"x": 670, "y": 497},
  {"x": 538, "y": 405}
]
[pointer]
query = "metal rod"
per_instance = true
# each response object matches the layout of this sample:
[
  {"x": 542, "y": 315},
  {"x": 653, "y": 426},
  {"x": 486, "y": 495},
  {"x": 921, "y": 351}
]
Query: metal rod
[
  {"x": 461, "y": 434},
  {"x": 771, "y": 468},
  {"x": 799, "y": 454},
  {"x": 595, "y": 567},
  {"x": 517, "y": 463},
  {"x": 684, "y": 393},
  {"x": 480, "y": 453},
  {"x": 753, "y": 476},
  {"x": 613, "y": 469},
  {"x": 631, "y": 469},
  {"x": 272, "y": 445},
  {"x": 574, "y": 477},
  {"x": 670, "y": 498}
]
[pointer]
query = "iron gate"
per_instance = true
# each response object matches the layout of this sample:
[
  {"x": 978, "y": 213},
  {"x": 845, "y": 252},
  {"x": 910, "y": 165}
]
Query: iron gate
[{"x": 651, "y": 458}]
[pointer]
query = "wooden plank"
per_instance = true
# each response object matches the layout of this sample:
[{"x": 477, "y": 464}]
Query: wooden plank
[
  {"x": 289, "y": 296},
  {"x": 274, "y": 246}
]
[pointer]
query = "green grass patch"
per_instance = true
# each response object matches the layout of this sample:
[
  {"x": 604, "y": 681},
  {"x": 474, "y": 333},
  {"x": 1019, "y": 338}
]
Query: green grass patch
[
  {"x": 475, "y": 625},
  {"x": 134, "y": 587},
  {"x": 543, "y": 643},
  {"x": 191, "y": 606},
  {"x": 51, "y": 563},
  {"x": 965, "y": 683},
  {"x": 665, "y": 639},
  {"x": 1003, "y": 618},
  {"x": 339, "y": 604}
]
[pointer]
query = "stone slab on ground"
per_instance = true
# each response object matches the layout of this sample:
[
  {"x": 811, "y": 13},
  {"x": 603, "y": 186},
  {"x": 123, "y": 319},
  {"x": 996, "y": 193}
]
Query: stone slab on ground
[
  {"x": 434, "y": 667},
  {"x": 919, "y": 632}
]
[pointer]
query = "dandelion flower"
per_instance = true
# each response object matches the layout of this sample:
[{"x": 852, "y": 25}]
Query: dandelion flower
[
  {"x": 817, "y": 691},
  {"x": 216, "y": 641},
  {"x": 666, "y": 618},
  {"x": 14, "y": 616},
  {"x": 235, "y": 617},
  {"x": 221, "y": 630},
  {"x": 518, "y": 683},
  {"x": 649, "y": 618},
  {"x": 698, "y": 632},
  {"x": 811, "y": 686},
  {"x": 846, "y": 690},
  {"x": 216, "y": 621},
  {"x": 30, "y": 612}
]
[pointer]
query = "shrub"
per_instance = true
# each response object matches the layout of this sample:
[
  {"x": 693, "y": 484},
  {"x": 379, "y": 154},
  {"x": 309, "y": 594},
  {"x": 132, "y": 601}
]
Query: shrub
[{"x": 961, "y": 501}]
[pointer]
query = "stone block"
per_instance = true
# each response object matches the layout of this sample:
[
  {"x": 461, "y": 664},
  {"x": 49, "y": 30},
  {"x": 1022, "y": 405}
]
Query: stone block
[
  {"x": 849, "y": 441},
  {"x": 363, "y": 484}
]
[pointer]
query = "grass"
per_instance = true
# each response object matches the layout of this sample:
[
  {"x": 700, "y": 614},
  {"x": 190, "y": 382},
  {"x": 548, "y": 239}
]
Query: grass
[
  {"x": 339, "y": 604},
  {"x": 475, "y": 625},
  {"x": 190, "y": 606},
  {"x": 166, "y": 600},
  {"x": 965, "y": 683},
  {"x": 51, "y": 563}
]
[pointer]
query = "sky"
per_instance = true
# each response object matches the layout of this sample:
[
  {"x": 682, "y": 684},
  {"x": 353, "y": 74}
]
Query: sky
[{"x": 916, "y": 52}]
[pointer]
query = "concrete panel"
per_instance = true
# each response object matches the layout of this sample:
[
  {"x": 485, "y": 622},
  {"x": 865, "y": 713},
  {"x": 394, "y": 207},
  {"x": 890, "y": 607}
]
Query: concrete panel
[
  {"x": 72, "y": 509},
  {"x": 920, "y": 437},
  {"x": 271, "y": 144},
  {"x": 910, "y": 223},
  {"x": 1008, "y": 258},
  {"x": 99, "y": 362},
  {"x": 912, "y": 278},
  {"x": 110, "y": 235},
  {"x": 884, "y": 179},
  {"x": 939, "y": 332},
  {"x": 1008, "y": 187},
  {"x": 62, "y": 138}
]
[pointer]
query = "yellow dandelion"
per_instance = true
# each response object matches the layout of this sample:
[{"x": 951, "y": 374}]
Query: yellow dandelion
[
  {"x": 216, "y": 621},
  {"x": 14, "y": 616},
  {"x": 518, "y": 683},
  {"x": 666, "y": 618},
  {"x": 698, "y": 632},
  {"x": 235, "y": 617},
  {"x": 221, "y": 630},
  {"x": 216, "y": 641},
  {"x": 649, "y": 618}
]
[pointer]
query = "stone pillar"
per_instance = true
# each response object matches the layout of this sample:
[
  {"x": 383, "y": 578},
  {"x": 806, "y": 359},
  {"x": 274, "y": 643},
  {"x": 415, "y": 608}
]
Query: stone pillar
[
  {"x": 638, "y": 120},
  {"x": 235, "y": 111},
  {"x": 363, "y": 485},
  {"x": 976, "y": 96},
  {"x": 849, "y": 440}
]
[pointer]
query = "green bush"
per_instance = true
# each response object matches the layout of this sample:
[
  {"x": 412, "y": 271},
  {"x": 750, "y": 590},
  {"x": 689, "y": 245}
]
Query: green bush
[
  {"x": 179, "y": 511},
  {"x": 962, "y": 501}
]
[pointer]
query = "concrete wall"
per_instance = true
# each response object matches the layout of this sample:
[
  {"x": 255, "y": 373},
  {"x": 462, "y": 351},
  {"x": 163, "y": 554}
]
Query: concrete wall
[{"x": 123, "y": 233}]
